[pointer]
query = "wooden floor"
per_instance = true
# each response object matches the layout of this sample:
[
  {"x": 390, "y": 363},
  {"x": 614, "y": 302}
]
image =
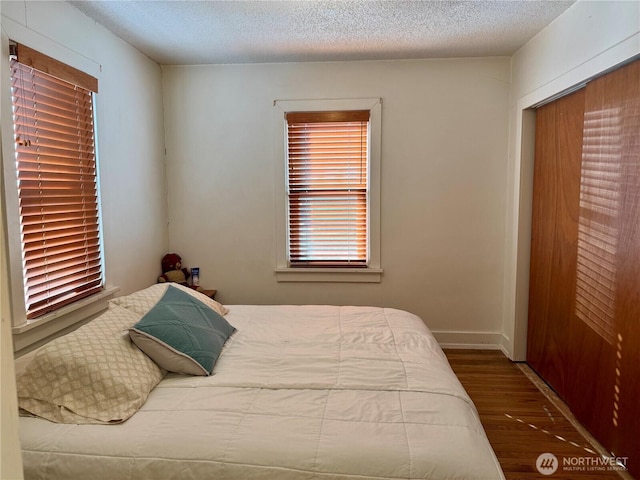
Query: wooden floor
[{"x": 520, "y": 421}]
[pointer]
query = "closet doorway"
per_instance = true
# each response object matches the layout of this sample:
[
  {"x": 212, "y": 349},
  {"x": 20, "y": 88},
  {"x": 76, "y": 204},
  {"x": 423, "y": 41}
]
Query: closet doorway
[{"x": 584, "y": 292}]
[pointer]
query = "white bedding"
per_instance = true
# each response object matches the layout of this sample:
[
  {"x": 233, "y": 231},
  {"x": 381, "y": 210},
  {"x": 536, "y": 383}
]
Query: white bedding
[{"x": 299, "y": 392}]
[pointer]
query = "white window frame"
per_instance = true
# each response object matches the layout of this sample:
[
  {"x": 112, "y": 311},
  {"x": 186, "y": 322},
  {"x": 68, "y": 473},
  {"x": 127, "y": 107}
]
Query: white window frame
[
  {"x": 28, "y": 334},
  {"x": 373, "y": 272}
]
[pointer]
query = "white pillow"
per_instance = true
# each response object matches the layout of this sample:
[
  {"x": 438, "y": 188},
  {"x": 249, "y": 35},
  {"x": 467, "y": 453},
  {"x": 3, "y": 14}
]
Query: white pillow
[{"x": 144, "y": 300}]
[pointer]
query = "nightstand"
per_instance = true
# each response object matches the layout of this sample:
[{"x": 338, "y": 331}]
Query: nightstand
[{"x": 210, "y": 293}]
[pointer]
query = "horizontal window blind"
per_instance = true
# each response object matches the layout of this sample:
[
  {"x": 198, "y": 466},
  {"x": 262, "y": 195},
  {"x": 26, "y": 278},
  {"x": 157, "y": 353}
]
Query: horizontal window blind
[
  {"x": 327, "y": 156},
  {"x": 57, "y": 188}
]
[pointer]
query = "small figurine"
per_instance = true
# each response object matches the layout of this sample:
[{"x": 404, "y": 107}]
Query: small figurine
[{"x": 173, "y": 271}]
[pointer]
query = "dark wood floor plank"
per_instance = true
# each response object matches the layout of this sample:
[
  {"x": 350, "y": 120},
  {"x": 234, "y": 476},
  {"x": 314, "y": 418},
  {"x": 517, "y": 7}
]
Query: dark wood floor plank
[{"x": 520, "y": 421}]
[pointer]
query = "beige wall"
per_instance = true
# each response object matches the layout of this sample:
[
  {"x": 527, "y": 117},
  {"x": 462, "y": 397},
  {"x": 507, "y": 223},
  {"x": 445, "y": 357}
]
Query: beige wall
[
  {"x": 444, "y": 157},
  {"x": 589, "y": 38}
]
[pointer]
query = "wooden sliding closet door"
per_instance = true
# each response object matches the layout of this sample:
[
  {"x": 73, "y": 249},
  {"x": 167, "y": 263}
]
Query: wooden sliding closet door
[
  {"x": 556, "y": 192},
  {"x": 613, "y": 104},
  {"x": 584, "y": 306}
]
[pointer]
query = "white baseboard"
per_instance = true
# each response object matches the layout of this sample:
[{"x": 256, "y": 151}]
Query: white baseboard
[{"x": 472, "y": 340}]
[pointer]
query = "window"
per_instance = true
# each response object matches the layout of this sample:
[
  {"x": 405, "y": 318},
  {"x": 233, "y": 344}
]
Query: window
[
  {"x": 327, "y": 171},
  {"x": 328, "y": 183},
  {"x": 56, "y": 181}
]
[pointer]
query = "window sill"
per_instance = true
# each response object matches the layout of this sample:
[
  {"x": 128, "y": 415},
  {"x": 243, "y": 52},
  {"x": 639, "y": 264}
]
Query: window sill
[
  {"x": 33, "y": 333},
  {"x": 333, "y": 275}
]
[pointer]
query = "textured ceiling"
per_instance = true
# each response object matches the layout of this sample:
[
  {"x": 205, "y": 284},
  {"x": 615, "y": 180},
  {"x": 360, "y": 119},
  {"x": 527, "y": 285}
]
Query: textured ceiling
[{"x": 208, "y": 32}]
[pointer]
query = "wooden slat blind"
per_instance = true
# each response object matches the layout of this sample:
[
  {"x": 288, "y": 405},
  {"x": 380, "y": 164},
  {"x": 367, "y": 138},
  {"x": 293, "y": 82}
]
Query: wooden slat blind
[
  {"x": 32, "y": 58},
  {"x": 327, "y": 159},
  {"x": 57, "y": 189}
]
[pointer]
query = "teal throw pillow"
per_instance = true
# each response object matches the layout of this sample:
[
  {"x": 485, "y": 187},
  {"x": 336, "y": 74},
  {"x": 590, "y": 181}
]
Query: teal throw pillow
[{"x": 181, "y": 334}]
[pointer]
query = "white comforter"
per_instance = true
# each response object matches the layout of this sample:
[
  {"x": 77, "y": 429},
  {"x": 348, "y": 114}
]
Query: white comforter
[{"x": 299, "y": 392}]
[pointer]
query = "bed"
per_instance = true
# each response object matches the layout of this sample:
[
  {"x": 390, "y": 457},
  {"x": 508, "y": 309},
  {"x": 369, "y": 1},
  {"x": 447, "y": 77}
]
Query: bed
[{"x": 297, "y": 392}]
